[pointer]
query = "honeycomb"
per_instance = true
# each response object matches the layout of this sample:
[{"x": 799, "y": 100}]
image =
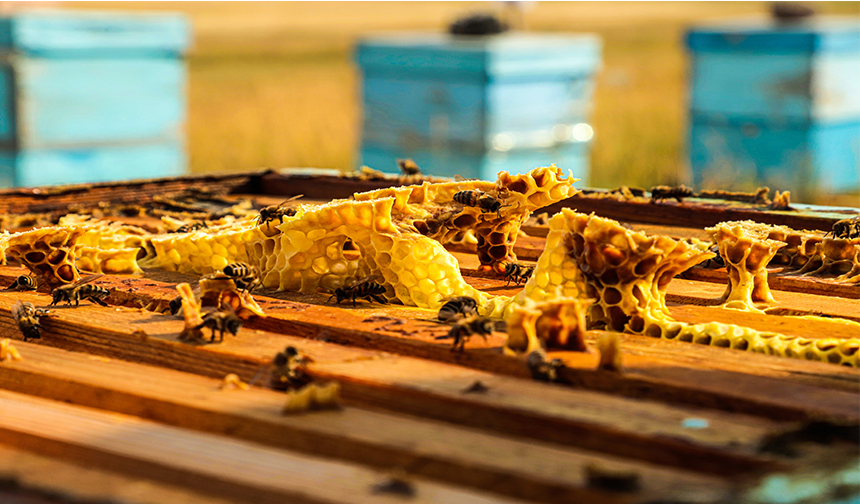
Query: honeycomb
[
  {"x": 800, "y": 246},
  {"x": 430, "y": 209},
  {"x": 835, "y": 256},
  {"x": 557, "y": 323},
  {"x": 305, "y": 253},
  {"x": 628, "y": 272},
  {"x": 746, "y": 250},
  {"x": 49, "y": 252},
  {"x": 113, "y": 248},
  {"x": 205, "y": 250},
  {"x": 8, "y": 352},
  {"x": 4, "y": 239}
]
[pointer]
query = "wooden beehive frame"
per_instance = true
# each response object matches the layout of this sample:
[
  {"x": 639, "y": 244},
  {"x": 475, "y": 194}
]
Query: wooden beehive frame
[{"x": 682, "y": 418}]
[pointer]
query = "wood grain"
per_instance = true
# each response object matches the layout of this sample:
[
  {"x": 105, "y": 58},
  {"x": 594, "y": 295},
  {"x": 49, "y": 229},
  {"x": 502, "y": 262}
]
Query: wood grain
[
  {"x": 214, "y": 465},
  {"x": 468, "y": 457}
]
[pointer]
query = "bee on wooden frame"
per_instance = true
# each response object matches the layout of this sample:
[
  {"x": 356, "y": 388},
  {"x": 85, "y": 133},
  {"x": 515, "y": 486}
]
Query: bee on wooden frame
[
  {"x": 463, "y": 329},
  {"x": 661, "y": 193},
  {"x": 23, "y": 283},
  {"x": 270, "y": 213},
  {"x": 287, "y": 370},
  {"x": 221, "y": 321},
  {"x": 27, "y": 317},
  {"x": 81, "y": 289},
  {"x": 366, "y": 288},
  {"x": 408, "y": 167}
]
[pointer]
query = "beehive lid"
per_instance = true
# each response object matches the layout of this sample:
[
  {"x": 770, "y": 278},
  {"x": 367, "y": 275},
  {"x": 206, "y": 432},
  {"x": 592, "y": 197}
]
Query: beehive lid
[
  {"x": 495, "y": 56},
  {"x": 67, "y": 33},
  {"x": 819, "y": 34}
]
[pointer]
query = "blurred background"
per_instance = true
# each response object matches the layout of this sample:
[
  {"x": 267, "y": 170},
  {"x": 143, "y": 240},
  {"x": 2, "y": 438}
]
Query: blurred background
[{"x": 276, "y": 85}]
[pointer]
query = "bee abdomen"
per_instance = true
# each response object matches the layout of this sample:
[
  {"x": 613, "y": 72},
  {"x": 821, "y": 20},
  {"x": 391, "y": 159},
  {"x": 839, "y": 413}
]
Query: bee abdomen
[{"x": 468, "y": 198}]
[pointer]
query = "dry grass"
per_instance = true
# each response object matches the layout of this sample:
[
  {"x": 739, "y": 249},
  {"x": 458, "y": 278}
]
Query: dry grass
[{"x": 273, "y": 84}]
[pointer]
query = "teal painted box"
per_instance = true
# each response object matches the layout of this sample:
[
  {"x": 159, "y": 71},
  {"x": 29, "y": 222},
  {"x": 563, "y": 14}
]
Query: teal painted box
[
  {"x": 776, "y": 104},
  {"x": 475, "y": 106},
  {"x": 90, "y": 97}
]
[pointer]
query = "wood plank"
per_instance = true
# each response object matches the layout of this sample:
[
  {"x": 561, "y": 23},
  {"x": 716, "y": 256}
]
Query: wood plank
[
  {"x": 735, "y": 390},
  {"x": 467, "y": 457},
  {"x": 701, "y": 213},
  {"x": 781, "y": 280},
  {"x": 524, "y": 408},
  {"x": 28, "y": 476},
  {"x": 215, "y": 465}
]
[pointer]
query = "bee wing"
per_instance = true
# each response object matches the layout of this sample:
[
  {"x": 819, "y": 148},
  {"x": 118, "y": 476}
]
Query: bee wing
[
  {"x": 290, "y": 200},
  {"x": 18, "y": 311},
  {"x": 365, "y": 280},
  {"x": 87, "y": 279}
]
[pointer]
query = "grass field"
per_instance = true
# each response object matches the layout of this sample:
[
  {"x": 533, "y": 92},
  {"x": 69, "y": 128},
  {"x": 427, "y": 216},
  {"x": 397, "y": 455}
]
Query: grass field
[{"x": 274, "y": 85}]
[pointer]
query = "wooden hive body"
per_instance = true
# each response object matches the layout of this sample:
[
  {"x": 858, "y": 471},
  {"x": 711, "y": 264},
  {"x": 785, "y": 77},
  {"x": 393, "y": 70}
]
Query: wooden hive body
[
  {"x": 85, "y": 93},
  {"x": 477, "y": 106}
]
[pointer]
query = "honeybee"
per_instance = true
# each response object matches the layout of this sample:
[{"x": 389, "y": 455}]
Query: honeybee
[
  {"x": 460, "y": 306},
  {"x": 23, "y": 283},
  {"x": 175, "y": 305},
  {"x": 846, "y": 228},
  {"x": 518, "y": 272},
  {"x": 486, "y": 202},
  {"x": 660, "y": 193},
  {"x": 543, "y": 369},
  {"x": 717, "y": 259},
  {"x": 287, "y": 370},
  {"x": 191, "y": 227},
  {"x": 27, "y": 317},
  {"x": 273, "y": 212},
  {"x": 408, "y": 167},
  {"x": 467, "y": 327},
  {"x": 365, "y": 288},
  {"x": 221, "y": 321},
  {"x": 80, "y": 290},
  {"x": 245, "y": 277}
]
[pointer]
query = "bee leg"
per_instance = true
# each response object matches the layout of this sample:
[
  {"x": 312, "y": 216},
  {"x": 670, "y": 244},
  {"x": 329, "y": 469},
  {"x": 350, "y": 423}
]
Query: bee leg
[
  {"x": 353, "y": 300},
  {"x": 379, "y": 300}
]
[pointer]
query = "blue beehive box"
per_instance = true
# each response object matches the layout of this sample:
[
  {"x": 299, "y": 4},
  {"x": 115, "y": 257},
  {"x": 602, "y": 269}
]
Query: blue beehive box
[
  {"x": 475, "y": 106},
  {"x": 777, "y": 105},
  {"x": 91, "y": 97}
]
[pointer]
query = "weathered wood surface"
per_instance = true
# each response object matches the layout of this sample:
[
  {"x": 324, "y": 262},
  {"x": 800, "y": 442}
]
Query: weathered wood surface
[
  {"x": 736, "y": 388},
  {"x": 206, "y": 463},
  {"x": 446, "y": 452},
  {"x": 35, "y": 479}
]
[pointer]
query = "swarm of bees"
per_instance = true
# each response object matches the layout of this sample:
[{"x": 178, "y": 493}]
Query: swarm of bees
[
  {"x": 23, "y": 283},
  {"x": 465, "y": 328},
  {"x": 458, "y": 307},
  {"x": 273, "y": 212},
  {"x": 366, "y": 288},
  {"x": 486, "y": 202},
  {"x": 846, "y": 229},
  {"x": 221, "y": 321},
  {"x": 518, "y": 272},
  {"x": 27, "y": 317},
  {"x": 661, "y": 193},
  {"x": 245, "y": 277},
  {"x": 79, "y": 290}
]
